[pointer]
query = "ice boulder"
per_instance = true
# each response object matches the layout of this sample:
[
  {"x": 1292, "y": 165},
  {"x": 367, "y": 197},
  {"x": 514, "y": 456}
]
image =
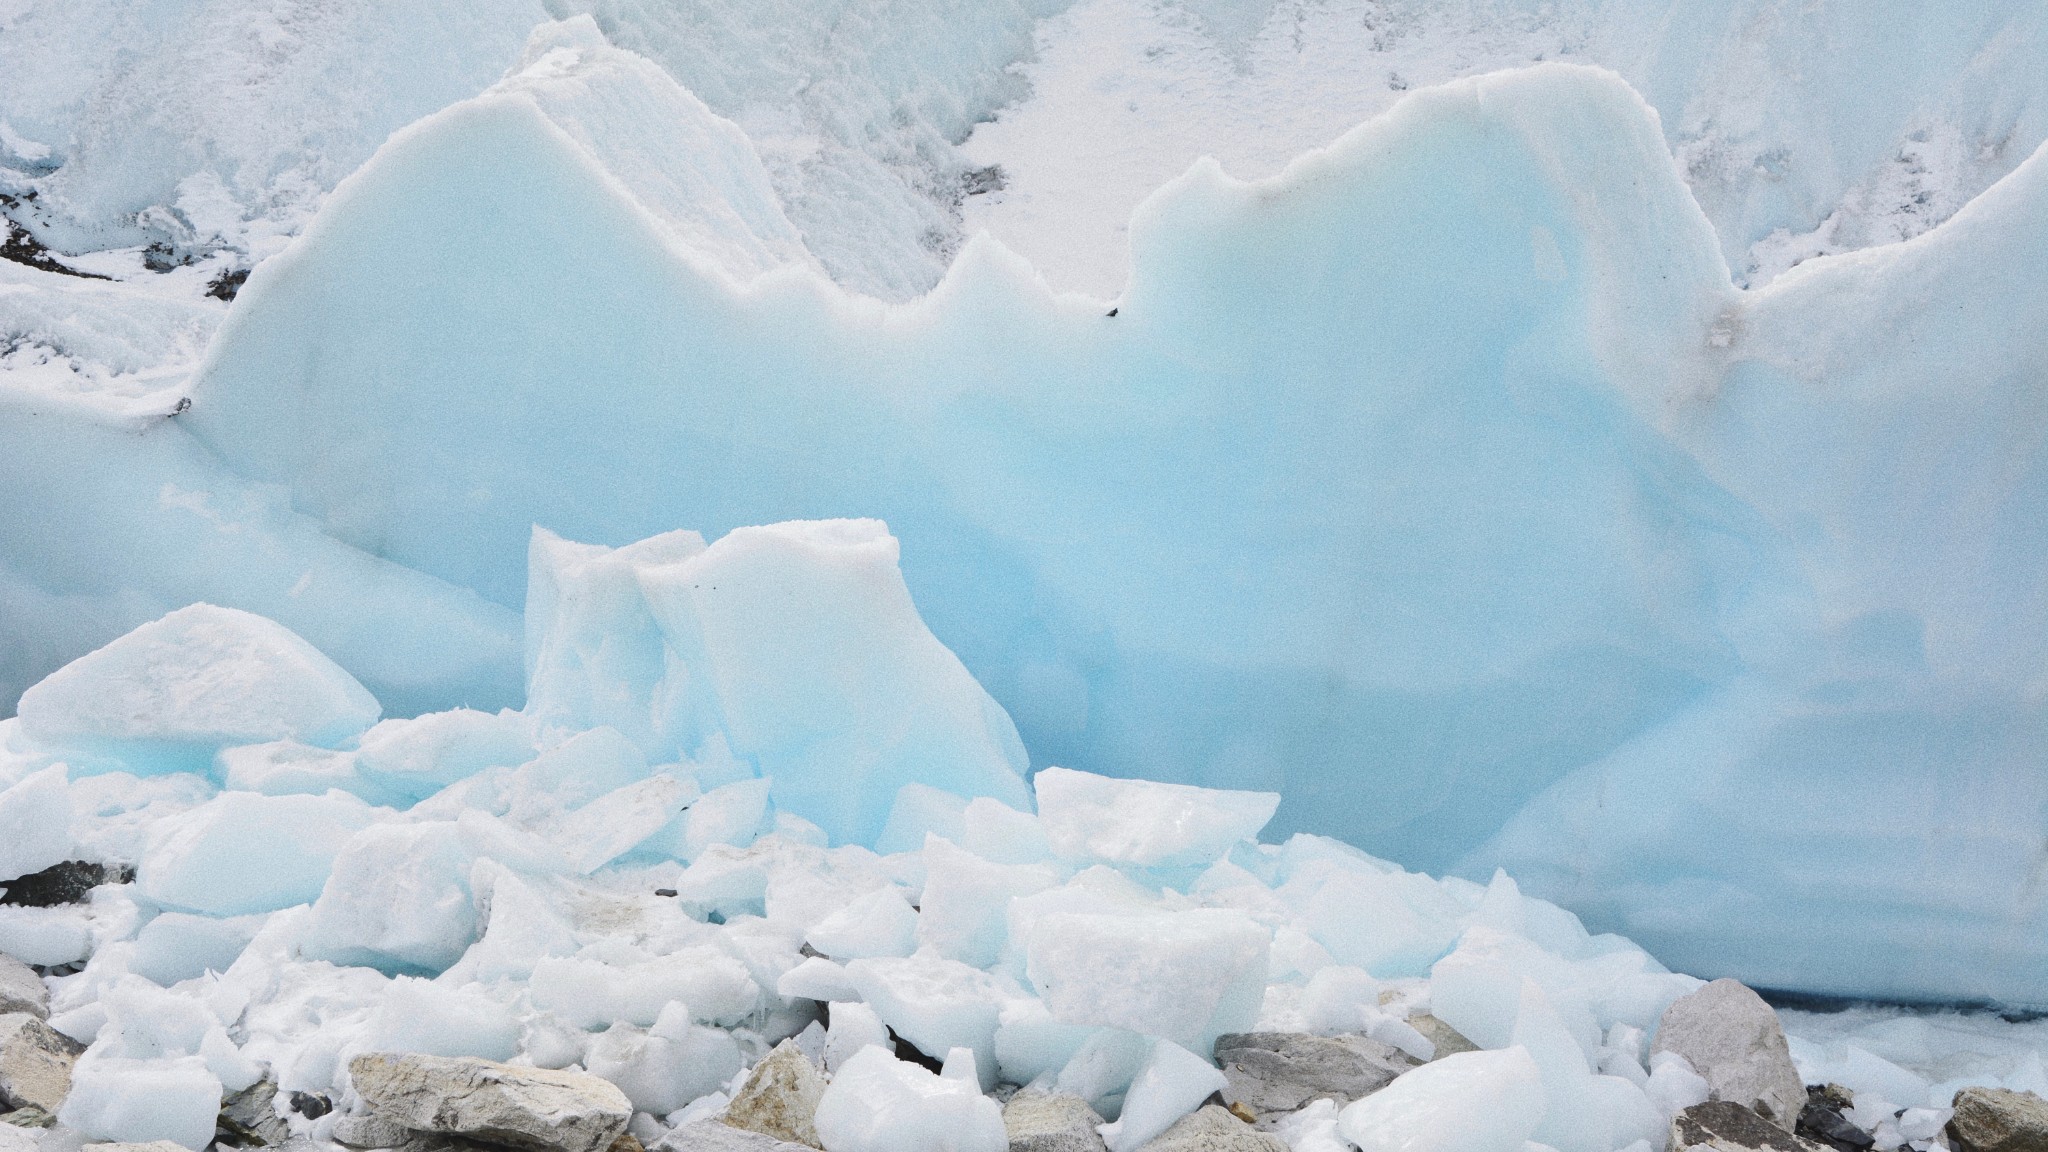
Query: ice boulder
[
  {"x": 666, "y": 1066},
  {"x": 134, "y": 1101},
  {"x": 936, "y": 1004},
  {"x": 425, "y": 753},
  {"x": 1470, "y": 1102},
  {"x": 1185, "y": 976},
  {"x": 822, "y": 672},
  {"x": 243, "y": 852},
  {"x": 1172, "y": 1083},
  {"x": 170, "y": 694},
  {"x": 1145, "y": 822},
  {"x": 176, "y": 946},
  {"x": 397, "y": 897},
  {"x": 878, "y": 1103},
  {"x": 35, "y": 823}
]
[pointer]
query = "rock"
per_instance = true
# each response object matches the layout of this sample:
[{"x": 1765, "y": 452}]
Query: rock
[
  {"x": 1051, "y": 1122},
  {"x": 13, "y": 1139},
  {"x": 66, "y": 882},
  {"x": 366, "y": 1131},
  {"x": 35, "y": 1063},
  {"x": 1733, "y": 1040},
  {"x": 28, "y": 1117},
  {"x": 532, "y": 1108},
  {"x": 1725, "y": 1126},
  {"x": 780, "y": 1097},
  {"x": 1213, "y": 1129},
  {"x": 1822, "y": 1122},
  {"x": 249, "y": 1118},
  {"x": 1997, "y": 1120},
  {"x": 21, "y": 990},
  {"x": 1448, "y": 1040},
  {"x": 716, "y": 1136},
  {"x": 1274, "y": 1072}
]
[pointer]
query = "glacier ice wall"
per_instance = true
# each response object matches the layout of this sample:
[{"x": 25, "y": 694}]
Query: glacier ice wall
[{"x": 1442, "y": 483}]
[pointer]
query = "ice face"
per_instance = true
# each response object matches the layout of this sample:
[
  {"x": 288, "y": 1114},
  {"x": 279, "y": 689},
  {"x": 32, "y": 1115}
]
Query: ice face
[{"x": 1442, "y": 483}]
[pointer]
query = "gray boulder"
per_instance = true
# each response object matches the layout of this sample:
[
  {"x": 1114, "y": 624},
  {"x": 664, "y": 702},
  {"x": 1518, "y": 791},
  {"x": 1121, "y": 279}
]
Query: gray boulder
[
  {"x": 21, "y": 990},
  {"x": 35, "y": 1063},
  {"x": 1213, "y": 1129},
  {"x": 780, "y": 1098},
  {"x": 250, "y": 1116},
  {"x": 1276, "y": 1072},
  {"x": 1997, "y": 1120},
  {"x": 538, "y": 1109},
  {"x": 1051, "y": 1122},
  {"x": 1725, "y": 1126},
  {"x": 1733, "y": 1040},
  {"x": 1448, "y": 1040},
  {"x": 716, "y": 1136}
]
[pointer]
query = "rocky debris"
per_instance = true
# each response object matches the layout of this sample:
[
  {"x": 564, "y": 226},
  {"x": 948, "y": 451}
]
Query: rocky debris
[
  {"x": 21, "y": 990},
  {"x": 532, "y": 1108},
  {"x": 311, "y": 1105},
  {"x": 1725, "y": 1126},
  {"x": 1733, "y": 1040},
  {"x": 780, "y": 1098},
  {"x": 35, "y": 1063},
  {"x": 1448, "y": 1040},
  {"x": 1999, "y": 1120},
  {"x": 249, "y": 1118},
  {"x": 1051, "y": 1122},
  {"x": 366, "y": 1131},
  {"x": 1277, "y": 1072},
  {"x": 29, "y": 1116},
  {"x": 67, "y": 883},
  {"x": 717, "y": 1136},
  {"x": 1822, "y": 1120},
  {"x": 1211, "y": 1128}
]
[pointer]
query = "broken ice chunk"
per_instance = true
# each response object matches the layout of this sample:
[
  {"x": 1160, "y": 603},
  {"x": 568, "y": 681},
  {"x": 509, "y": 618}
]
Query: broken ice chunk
[
  {"x": 35, "y": 824},
  {"x": 878, "y": 1103},
  {"x": 242, "y": 852},
  {"x": 167, "y": 696},
  {"x": 935, "y": 1003},
  {"x": 880, "y": 923},
  {"x": 823, "y": 673},
  {"x": 1186, "y": 976},
  {"x": 1172, "y": 1083},
  {"x": 1143, "y": 822},
  {"x": 1470, "y": 1102}
]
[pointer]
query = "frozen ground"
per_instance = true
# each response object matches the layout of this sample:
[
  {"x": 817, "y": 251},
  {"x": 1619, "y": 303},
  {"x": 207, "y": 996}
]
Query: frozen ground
[{"x": 1478, "y": 478}]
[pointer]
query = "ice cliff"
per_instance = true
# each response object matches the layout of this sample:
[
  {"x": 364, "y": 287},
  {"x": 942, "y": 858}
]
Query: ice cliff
[{"x": 1443, "y": 482}]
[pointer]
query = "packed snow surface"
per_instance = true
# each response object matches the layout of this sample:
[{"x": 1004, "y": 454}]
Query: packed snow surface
[{"x": 1477, "y": 479}]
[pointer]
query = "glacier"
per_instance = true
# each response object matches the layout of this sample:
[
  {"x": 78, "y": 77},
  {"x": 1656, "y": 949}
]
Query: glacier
[{"x": 1443, "y": 481}]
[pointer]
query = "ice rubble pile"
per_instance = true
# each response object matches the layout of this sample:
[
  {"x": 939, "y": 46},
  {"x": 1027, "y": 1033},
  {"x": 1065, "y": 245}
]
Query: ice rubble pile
[{"x": 749, "y": 784}]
